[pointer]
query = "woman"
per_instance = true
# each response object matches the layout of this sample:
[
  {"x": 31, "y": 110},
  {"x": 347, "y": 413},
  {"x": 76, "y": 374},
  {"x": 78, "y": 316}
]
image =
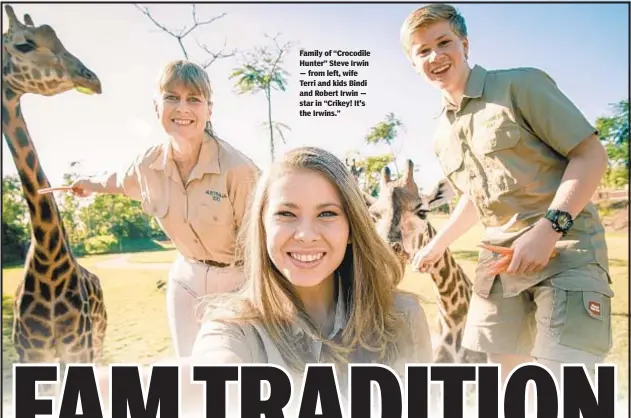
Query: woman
[
  {"x": 196, "y": 186},
  {"x": 322, "y": 285}
]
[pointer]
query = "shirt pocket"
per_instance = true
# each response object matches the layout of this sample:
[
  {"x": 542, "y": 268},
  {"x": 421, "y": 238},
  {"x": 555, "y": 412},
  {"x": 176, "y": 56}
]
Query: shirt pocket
[
  {"x": 154, "y": 206},
  {"x": 451, "y": 161},
  {"x": 504, "y": 157}
]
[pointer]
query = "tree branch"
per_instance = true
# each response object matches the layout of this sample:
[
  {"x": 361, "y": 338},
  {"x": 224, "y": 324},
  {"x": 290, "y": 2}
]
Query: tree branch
[{"x": 184, "y": 32}]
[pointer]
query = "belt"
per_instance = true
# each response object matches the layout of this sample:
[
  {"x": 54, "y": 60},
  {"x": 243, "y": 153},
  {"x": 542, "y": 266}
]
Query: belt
[{"x": 217, "y": 264}]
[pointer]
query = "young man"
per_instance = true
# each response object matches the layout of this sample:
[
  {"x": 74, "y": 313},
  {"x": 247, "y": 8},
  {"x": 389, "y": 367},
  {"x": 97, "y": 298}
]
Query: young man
[{"x": 525, "y": 162}]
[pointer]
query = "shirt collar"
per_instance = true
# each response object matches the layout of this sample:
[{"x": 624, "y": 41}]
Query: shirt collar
[
  {"x": 340, "y": 320},
  {"x": 473, "y": 88},
  {"x": 207, "y": 163}
]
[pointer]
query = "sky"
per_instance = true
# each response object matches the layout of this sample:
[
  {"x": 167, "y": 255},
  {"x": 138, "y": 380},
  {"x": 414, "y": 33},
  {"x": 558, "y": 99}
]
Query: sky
[{"x": 584, "y": 47}]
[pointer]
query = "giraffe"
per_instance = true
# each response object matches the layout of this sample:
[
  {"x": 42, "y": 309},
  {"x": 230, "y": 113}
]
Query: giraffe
[
  {"x": 59, "y": 310},
  {"x": 400, "y": 215}
]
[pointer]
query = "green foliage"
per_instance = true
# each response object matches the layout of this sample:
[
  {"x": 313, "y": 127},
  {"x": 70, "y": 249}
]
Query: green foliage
[
  {"x": 614, "y": 132},
  {"x": 385, "y": 131},
  {"x": 616, "y": 177},
  {"x": 101, "y": 244},
  {"x": 8, "y": 352}
]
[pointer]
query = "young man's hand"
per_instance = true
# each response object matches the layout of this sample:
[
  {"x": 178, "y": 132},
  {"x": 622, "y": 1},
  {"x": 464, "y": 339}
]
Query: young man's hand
[
  {"x": 533, "y": 250},
  {"x": 428, "y": 256}
]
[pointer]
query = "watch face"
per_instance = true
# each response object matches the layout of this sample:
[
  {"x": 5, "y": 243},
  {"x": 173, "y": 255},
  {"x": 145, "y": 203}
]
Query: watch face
[{"x": 564, "y": 221}]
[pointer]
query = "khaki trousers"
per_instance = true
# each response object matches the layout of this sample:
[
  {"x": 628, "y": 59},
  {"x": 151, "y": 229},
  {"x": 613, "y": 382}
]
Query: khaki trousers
[{"x": 189, "y": 281}]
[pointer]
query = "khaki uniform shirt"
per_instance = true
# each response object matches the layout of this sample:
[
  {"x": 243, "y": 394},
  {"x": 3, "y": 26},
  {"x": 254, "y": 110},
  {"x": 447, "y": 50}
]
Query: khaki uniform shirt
[
  {"x": 203, "y": 214},
  {"x": 506, "y": 148},
  {"x": 249, "y": 343}
]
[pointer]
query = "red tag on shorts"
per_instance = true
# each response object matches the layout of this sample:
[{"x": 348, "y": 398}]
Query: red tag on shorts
[{"x": 594, "y": 308}]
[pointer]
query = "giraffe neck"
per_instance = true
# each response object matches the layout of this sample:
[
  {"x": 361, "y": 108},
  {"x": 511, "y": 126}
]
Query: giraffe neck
[
  {"x": 47, "y": 230},
  {"x": 451, "y": 283}
]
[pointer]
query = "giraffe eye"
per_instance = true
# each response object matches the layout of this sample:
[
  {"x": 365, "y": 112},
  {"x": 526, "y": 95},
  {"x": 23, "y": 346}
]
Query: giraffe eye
[{"x": 28, "y": 46}]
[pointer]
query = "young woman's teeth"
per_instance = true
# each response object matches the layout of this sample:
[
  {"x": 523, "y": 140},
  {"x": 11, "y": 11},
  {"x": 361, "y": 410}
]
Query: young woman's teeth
[
  {"x": 306, "y": 258},
  {"x": 441, "y": 69},
  {"x": 182, "y": 121}
]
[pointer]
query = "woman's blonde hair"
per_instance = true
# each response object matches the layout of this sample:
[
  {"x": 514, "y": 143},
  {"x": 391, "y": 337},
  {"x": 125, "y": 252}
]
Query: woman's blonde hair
[
  {"x": 369, "y": 274},
  {"x": 190, "y": 75}
]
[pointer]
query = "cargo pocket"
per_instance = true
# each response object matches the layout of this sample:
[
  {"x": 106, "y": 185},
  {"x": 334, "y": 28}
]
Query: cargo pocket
[{"x": 587, "y": 324}]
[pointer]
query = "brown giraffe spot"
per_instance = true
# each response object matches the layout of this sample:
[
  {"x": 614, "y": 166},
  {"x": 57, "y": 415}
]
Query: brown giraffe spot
[
  {"x": 59, "y": 73},
  {"x": 40, "y": 268},
  {"x": 39, "y": 237},
  {"x": 37, "y": 75},
  {"x": 29, "y": 287},
  {"x": 41, "y": 86},
  {"x": 5, "y": 115},
  {"x": 60, "y": 308},
  {"x": 40, "y": 310},
  {"x": 22, "y": 137},
  {"x": 9, "y": 94},
  {"x": 69, "y": 339},
  {"x": 59, "y": 290},
  {"x": 59, "y": 271},
  {"x": 53, "y": 240},
  {"x": 19, "y": 77},
  {"x": 44, "y": 289},
  {"x": 30, "y": 159}
]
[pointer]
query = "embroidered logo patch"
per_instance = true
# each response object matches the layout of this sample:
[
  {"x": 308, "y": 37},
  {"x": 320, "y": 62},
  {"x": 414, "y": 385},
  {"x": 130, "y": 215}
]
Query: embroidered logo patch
[
  {"x": 216, "y": 195},
  {"x": 594, "y": 308}
]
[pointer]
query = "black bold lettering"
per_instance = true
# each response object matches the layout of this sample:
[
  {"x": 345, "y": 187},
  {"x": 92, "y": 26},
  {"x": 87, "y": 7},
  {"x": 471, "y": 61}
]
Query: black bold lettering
[
  {"x": 80, "y": 384},
  {"x": 127, "y": 389},
  {"x": 453, "y": 378},
  {"x": 515, "y": 392},
  {"x": 216, "y": 378},
  {"x": 579, "y": 396},
  {"x": 25, "y": 379},
  {"x": 320, "y": 383},
  {"x": 362, "y": 378},
  {"x": 252, "y": 402},
  {"x": 417, "y": 386},
  {"x": 488, "y": 390}
]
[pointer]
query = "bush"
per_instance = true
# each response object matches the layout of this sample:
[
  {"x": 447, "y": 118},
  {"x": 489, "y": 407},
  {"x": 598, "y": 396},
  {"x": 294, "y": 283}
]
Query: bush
[{"x": 101, "y": 244}]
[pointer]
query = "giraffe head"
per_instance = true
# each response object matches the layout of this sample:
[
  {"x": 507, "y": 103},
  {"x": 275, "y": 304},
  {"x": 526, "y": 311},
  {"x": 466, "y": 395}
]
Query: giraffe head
[
  {"x": 35, "y": 61},
  {"x": 400, "y": 211}
]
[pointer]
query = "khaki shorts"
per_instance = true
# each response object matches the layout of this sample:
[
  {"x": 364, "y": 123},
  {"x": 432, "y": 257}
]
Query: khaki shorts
[{"x": 548, "y": 322}]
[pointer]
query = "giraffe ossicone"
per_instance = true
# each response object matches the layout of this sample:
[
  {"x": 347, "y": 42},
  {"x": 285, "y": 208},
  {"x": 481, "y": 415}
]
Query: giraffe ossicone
[{"x": 59, "y": 312}]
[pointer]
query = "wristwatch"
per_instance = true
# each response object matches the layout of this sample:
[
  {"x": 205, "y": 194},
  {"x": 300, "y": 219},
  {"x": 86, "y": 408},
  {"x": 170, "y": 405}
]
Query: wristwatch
[{"x": 561, "y": 221}]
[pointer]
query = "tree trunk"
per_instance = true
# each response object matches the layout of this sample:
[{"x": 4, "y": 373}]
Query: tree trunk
[{"x": 269, "y": 119}]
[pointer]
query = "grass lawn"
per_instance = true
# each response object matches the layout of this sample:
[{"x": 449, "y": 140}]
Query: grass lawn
[{"x": 138, "y": 330}]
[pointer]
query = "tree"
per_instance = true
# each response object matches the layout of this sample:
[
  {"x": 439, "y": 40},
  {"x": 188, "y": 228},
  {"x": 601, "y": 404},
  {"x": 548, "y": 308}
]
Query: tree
[
  {"x": 614, "y": 132},
  {"x": 386, "y": 132},
  {"x": 15, "y": 227},
  {"x": 181, "y": 34},
  {"x": 261, "y": 70}
]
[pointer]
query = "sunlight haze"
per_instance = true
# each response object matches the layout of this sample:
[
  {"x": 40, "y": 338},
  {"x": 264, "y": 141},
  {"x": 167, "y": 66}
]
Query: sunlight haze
[{"x": 584, "y": 47}]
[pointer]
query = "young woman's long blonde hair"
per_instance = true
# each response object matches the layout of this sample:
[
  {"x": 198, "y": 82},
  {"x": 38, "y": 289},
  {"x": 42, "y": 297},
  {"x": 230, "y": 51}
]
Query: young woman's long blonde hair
[{"x": 369, "y": 274}]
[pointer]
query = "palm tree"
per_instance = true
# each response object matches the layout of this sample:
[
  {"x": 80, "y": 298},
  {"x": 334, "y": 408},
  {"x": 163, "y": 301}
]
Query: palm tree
[{"x": 262, "y": 71}]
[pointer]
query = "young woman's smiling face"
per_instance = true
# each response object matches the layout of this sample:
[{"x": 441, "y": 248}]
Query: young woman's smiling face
[{"x": 307, "y": 231}]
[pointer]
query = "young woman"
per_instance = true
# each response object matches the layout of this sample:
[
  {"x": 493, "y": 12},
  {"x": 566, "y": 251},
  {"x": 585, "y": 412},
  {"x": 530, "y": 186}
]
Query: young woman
[
  {"x": 196, "y": 186},
  {"x": 322, "y": 285}
]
